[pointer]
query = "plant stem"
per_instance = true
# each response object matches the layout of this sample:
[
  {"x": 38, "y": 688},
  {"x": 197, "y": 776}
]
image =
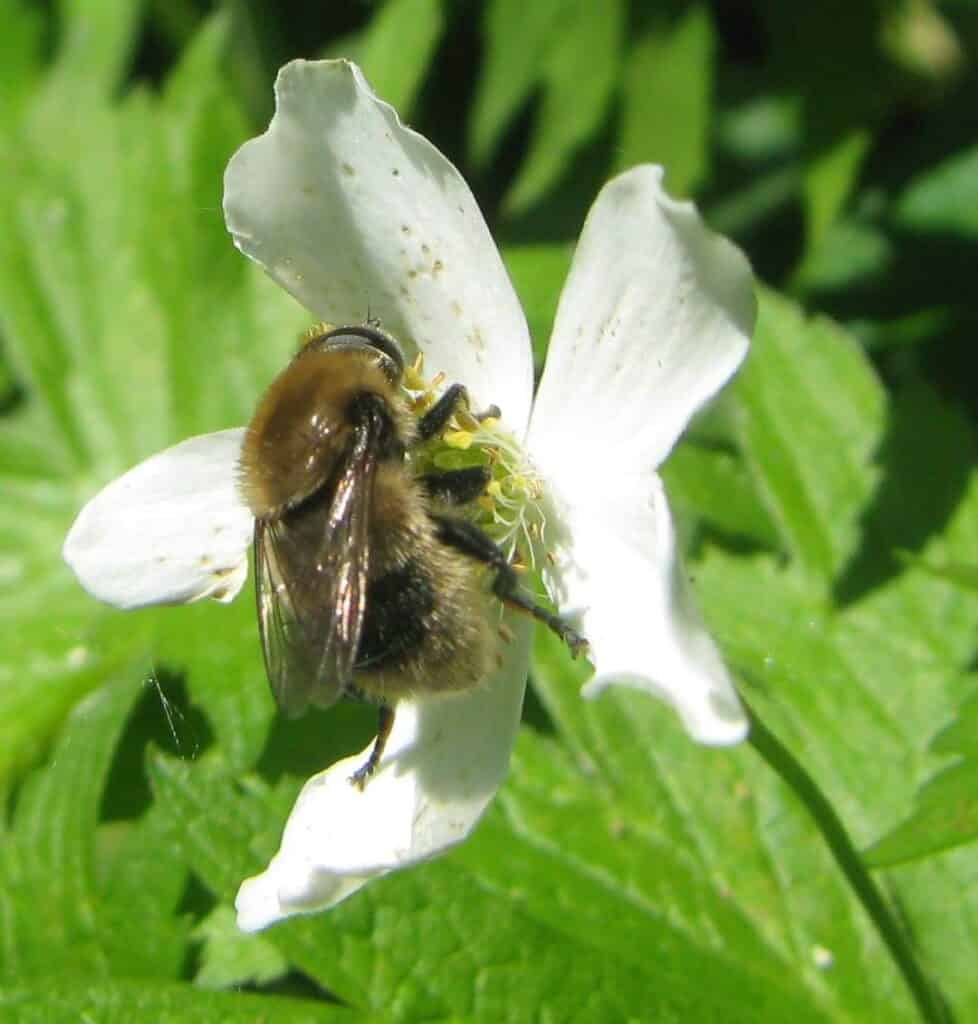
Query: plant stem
[{"x": 929, "y": 1002}]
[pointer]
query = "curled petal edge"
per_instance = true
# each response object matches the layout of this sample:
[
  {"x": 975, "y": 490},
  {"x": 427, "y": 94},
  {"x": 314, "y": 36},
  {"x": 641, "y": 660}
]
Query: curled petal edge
[
  {"x": 655, "y": 317},
  {"x": 357, "y": 216},
  {"x": 619, "y": 569},
  {"x": 443, "y": 763}
]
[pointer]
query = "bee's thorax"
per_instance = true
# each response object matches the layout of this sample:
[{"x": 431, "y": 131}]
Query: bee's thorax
[{"x": 304, "y": 422}]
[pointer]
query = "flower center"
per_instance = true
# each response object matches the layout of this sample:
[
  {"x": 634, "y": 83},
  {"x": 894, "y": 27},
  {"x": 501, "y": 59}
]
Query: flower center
[{"x": 512, "y": 509}]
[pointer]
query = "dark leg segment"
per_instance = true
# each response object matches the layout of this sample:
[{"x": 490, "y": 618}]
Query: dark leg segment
[
  {"x": 457, "y": 486},
  {"x": 471, "y": 541},
  {"x": 434, "y": 420},
  {"x": 385, "y": 722}
]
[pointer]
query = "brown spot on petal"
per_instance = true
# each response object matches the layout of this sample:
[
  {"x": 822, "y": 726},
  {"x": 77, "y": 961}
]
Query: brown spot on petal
[{"x": 348, "y": 169}]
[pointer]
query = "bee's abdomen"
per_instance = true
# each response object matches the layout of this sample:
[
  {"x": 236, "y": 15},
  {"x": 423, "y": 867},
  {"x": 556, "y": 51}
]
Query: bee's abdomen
[
  {"x": 424, "y": 630},
  {"x": 399, "y": 606}
]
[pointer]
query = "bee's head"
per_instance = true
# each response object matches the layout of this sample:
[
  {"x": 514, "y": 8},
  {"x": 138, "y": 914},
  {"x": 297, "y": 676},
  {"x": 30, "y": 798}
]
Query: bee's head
[{"x": 367, "y": 338}]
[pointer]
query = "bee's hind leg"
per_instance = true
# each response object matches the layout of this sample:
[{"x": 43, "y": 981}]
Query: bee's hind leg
[
  {"x": 471, "y": 541},
  {"x": 385, "y": 722}
]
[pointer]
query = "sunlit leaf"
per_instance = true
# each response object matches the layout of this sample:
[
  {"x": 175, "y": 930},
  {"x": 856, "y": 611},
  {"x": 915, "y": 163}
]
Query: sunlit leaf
[
  {"x": 812, "y": 418},
  {"x": 578, "y": 73},
  {"x": 67, "y": 1001},
  {"x": 667, "y": 98},
  {"x": 396, "y": 50},
  {"x": 517, "y": 34}
]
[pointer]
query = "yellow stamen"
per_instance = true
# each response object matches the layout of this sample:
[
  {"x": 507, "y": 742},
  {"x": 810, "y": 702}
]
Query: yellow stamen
[
  {"x": 509, "y": 509},
  {"x": 460, "y": 439}
]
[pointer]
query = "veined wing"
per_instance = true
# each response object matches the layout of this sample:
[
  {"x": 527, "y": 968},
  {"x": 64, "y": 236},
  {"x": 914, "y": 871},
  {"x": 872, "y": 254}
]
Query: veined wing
[{"x": 311, "y": 570}]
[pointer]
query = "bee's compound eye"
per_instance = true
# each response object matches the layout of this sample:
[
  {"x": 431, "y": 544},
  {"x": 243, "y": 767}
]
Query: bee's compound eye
[{"x": 368, "y": 336}]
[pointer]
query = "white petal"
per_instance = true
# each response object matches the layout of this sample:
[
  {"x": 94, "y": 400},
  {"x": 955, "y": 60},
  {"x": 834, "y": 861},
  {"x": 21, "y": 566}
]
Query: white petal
[
  {"x": 170, "y": 531},
  {"x": 444, "y": 761},
  {"x": 621, "y": 572},
  {"x": 357, "y": 215},
  {"x": 654, "y": 318}
]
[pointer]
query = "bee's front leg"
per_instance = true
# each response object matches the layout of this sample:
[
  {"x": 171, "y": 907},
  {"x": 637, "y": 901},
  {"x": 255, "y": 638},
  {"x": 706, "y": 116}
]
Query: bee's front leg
[{"x": 436, "y": 418}]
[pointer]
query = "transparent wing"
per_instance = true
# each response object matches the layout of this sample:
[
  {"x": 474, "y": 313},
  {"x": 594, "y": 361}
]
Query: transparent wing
[{"x": 311, "y": 571}]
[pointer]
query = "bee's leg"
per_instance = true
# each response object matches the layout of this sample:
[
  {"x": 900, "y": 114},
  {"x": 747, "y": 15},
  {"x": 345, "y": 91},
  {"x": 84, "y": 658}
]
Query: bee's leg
[
  {"x": 471, "y": 541},
  {"x": 434, "y": 420},
  {"x": 385, "y": 722},
  {"x": 456, "y": 486}
]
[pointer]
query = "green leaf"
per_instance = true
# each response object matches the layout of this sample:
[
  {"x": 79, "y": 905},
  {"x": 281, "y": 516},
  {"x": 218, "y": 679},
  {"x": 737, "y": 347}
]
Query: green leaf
[
  {"x": 858, "y": 687},
  {"x": 121, "y": 1001},
  {"x": 130, "y": 322},
  {"x": 946, "y": 815},
  {"x": 458, "y": 936},
  {"x": 761, "y": 127},
  {"x": 713, "y": 847},
  {"x": 812, "y": 418},
  {"x": 578, "y": 73},
  {"x": 828, "y": 181},
  {"x": 96, "y": 39},
  {"x": 857, "y": 695},
  {"x": 216, "y": 648},
  {"x": 945, "y": 811},
  {"x": 57, "y": 915},
  {"x": 962, "y": 575},
  {"x": 230, "y": 959},
  {"x": 20, "y": 55},
  {"x": 538, "y": 273},
  {"x": 943, "y": 200},
  {"x": 667, "y": 99},
  {"x": 927, "y": 460},
  {"x": 397, "y": 49},
  {"x": 713, "y": 485},
  {"x": 850, "y": 254},
  {"x": 516, "y": 36}
]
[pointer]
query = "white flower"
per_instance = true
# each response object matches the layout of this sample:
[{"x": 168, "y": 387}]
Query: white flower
[{"x": 352, "y": 213}]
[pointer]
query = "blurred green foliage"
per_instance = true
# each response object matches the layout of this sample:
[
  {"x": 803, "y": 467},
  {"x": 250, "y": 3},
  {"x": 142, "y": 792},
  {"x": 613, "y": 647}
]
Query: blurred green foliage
[{"x": 829, "y": 503}]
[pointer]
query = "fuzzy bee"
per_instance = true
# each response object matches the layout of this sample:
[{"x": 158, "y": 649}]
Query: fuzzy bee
[{"x": 367, "y": 585}]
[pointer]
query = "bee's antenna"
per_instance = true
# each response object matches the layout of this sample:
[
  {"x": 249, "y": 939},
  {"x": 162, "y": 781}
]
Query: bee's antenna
[{"x": 371, "y": 321}]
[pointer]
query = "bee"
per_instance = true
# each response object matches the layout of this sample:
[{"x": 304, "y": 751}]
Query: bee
[{"x": 369, "y": 583}]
